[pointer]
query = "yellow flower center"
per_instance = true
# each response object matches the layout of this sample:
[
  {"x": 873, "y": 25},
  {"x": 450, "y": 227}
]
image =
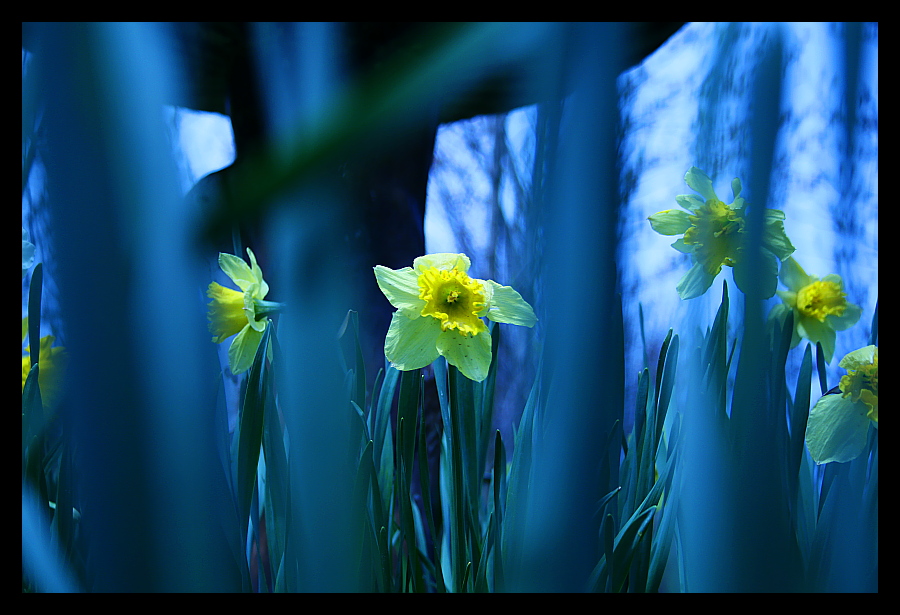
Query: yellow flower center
[
  {"x": 716, "y": 230},
  {"x": 453, "y": 298},
  {"x": 862, "y": 385},
  {"x": 820, "y": 299}
]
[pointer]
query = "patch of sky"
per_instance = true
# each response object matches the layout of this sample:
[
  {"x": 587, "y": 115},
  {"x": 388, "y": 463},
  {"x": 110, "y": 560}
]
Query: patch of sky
[
  {"x": 202, "y": 142},
  {"x": 663, "y": 121}
]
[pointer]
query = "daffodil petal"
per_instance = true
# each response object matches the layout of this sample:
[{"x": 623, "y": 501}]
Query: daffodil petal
[
  {"x": 695, "y": 282},
  {"x": 443, "y": 260},
  {"x": 250, "y": 308},
  {"x": 747, "y": 277},
  {"x": 700, "y": 182},
  {"x": 670, "y": 222},
  {"x": 858, "y": 358},
  {"x": 788, "y": 296},
  {"x": 243, "y": 350},
  {"x": 774, "y": 237},
  {"x": 508, "y": 306},
  {"x": 488, "y": 291},
  {"x": 238, "y": 270},
  {"x": 793, "y": 276},
  {"x": 836, "y": 430},
  {"x": 821, "y": 332},
  {"x": 778, "y": 311},
  {"x": 679, "y": 245},
  {"x": 690, "y": 202},
  {"x": 401, "y": 288},
  {"x": 411, "y": 343},
  {"x": 471, "y": 355},
  {"x": 850, "y": 317},
  {"x": 263, "y": 289}
]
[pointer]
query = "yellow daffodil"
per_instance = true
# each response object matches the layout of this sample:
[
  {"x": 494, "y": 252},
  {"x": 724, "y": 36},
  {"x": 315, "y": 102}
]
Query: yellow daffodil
[
  {"x": 241, "y": 312},
  {"x": 52, "y": 364},
  {"x": 439, "y": 313},
  {"x": 27, "y": 252},
  {"x": 714, "y": 236},
  {"x": 839, "y": 423},
  {"x": 820, "y": 307}
]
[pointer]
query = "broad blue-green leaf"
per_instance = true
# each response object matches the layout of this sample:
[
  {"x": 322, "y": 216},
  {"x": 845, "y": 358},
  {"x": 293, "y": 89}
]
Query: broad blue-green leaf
[
  {"x": 34, "y": 313},
  {"x": 873, "y": 338},
  {"x": 251, "y": 427},
  {"x": 626, "y": 545}
]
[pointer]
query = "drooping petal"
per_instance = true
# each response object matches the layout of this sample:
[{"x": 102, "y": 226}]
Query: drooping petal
[
  {"x": 683, "y": 247},
  {"x": 836, "y": 430},
  {"x": 243, "y": 350},
  {"x": 774, "y": 238},
  {"x": 471, "y": 355},
  {"x": 736, "y": 189},
  {"x": 508, "y": 306},
  {"x": 411, "y": 343},
  {"x": 695, "y": 282},
  {"x": 779, "y": 311},
  {"x": 763, "y": 279},
  {"x": 700, "y": 182},
  {"x": 488, "y": 292},
  {"x": 690, "y": 202},
  {"x": 821, "y": 332},
  {"x": 401, "y": 288},
  {"x": 443, "y": 260},
  {"x": 793, "y": 276},
  {"x": 238, "y": 270},
  {"x": 263, "y": 288},
  {"x": 670, "y": 222}
]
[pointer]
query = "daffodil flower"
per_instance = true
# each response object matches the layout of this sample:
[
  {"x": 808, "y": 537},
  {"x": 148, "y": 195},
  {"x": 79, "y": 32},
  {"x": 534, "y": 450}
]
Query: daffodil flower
[
  {"x": 839, "y": 423},
  {"x": 52, "y": 361},
  {"x": 241, "y": 312},
  {"x": 27, "y": 252},
  {"x": 714, "y": 235},
  {"x": 820, "y": 306},
  {"x": 439, "y": 313}
]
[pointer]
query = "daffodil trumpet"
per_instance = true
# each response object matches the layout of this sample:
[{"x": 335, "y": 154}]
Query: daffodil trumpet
[
  {"x": 820, "y": 306},
  {"x": 53, "y": 361},
  {"x": 838, "y": 425}
]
